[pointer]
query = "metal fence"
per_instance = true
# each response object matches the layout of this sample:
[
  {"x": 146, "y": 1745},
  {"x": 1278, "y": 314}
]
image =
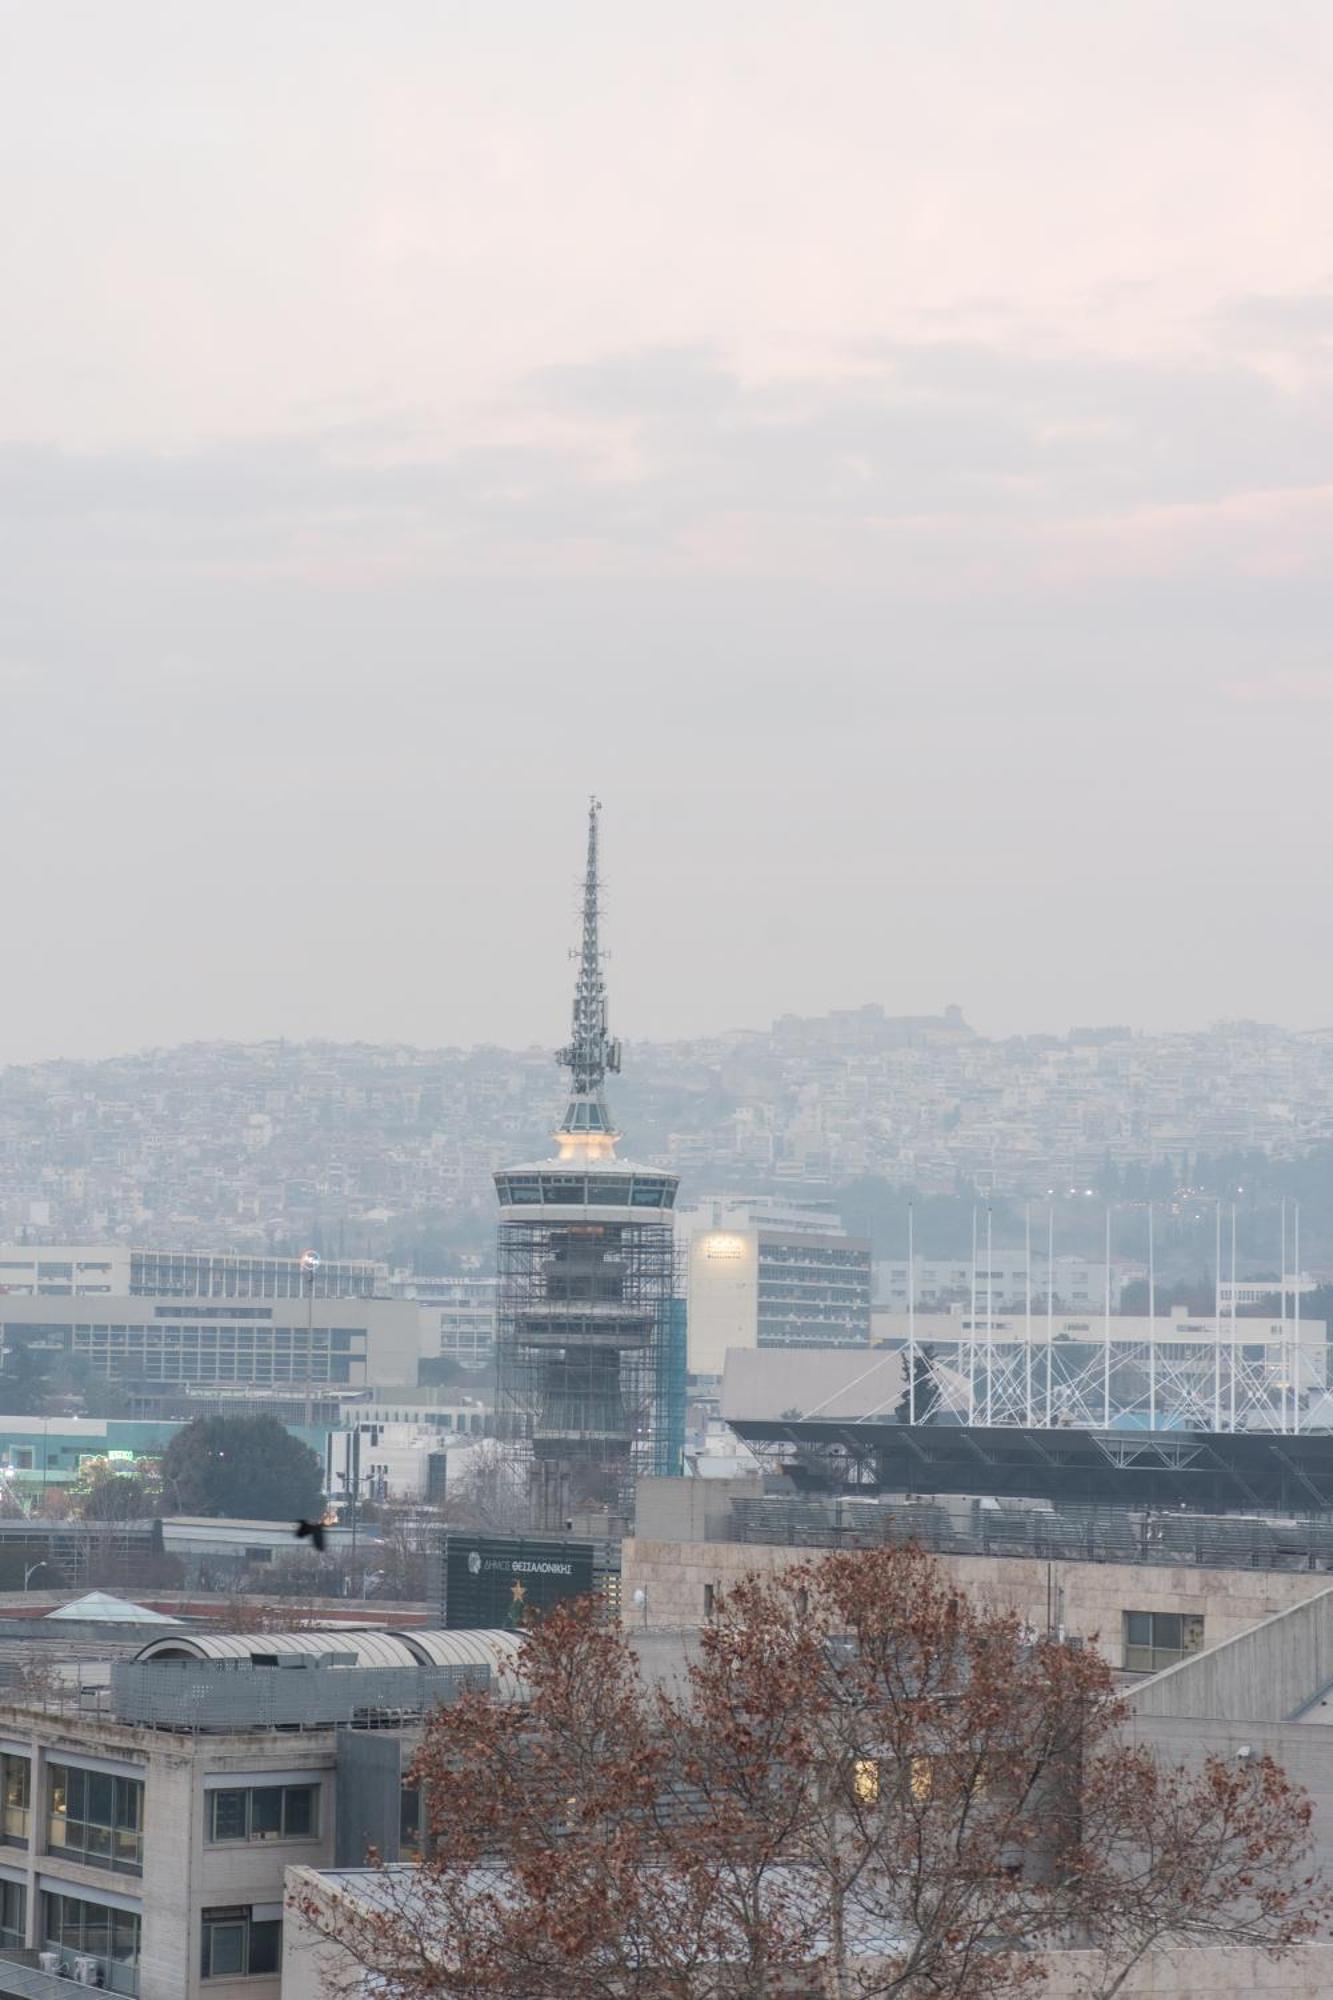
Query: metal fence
[
  {"x": 1089, "y": 1534},
  {"x": 297, "y": 1693}
]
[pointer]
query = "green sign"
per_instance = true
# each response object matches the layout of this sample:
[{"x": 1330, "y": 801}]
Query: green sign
[{"x": 492, "y": 1582}]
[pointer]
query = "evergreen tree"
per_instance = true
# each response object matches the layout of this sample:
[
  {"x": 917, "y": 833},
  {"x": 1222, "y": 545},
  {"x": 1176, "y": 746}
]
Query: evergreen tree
[{"x": 244, "y": 1468}]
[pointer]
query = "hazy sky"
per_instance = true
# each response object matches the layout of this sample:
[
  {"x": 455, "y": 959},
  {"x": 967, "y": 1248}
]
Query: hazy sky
[{"x": 885, "y": 449}]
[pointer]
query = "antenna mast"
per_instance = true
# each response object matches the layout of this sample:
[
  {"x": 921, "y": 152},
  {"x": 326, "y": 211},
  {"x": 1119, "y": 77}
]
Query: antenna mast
[{"x": 591, "y": 1054}]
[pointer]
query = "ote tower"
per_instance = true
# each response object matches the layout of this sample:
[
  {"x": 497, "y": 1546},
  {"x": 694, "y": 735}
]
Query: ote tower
[{"x": 585, "y": 1263}]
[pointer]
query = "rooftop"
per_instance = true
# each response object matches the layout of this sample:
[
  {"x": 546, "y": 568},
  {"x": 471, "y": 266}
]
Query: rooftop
[
  {"x": 101, "y": 1607},
  {"x": 964, "y": 1525}
]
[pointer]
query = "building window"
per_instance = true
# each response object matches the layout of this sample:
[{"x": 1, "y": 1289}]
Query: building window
[
  {"x": 88, "y": 1930},
  {"x": 237, "y": 1943},
  {"x": 15, "y": 1799},
  {"x": 409, "y": 1823},
  {"x": 96, "y": 1818},
  {"x": 1157, "y": 1639},
  {"x": 264, "y": 1812},
  {"x": 865, "y": 1780},
  {"x": 13, "y": 1913}
]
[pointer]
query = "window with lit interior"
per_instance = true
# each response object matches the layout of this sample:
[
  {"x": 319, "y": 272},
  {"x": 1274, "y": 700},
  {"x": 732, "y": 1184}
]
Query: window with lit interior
[{"x": 95, "y": 1818}]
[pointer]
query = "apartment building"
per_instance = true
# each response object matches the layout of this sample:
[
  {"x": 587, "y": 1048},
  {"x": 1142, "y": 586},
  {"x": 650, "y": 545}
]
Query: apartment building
[{"x": 143, "y": 1844}]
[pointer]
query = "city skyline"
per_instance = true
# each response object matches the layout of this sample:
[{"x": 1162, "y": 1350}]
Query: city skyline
[
  {"x": 828, "y": 510},
  {"x": 247, "y": 1146}
]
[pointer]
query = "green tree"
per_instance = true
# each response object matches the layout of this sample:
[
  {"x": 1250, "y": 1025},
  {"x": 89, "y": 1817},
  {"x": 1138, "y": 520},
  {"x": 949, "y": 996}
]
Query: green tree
[
  {"x": 244, "y": 1468},
  {"x": 110, "y": 1491},
  {"x": 922, "y": 1394},
  {"x": 25, "y": 1378}
]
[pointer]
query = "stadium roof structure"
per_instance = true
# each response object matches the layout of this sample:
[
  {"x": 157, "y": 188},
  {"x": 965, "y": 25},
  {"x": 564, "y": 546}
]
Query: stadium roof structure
[{"x": 1218, "y": 1471}]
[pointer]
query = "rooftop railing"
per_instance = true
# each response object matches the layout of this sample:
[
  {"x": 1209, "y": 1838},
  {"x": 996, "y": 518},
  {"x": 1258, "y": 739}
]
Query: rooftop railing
[
  {"x": 297, "y": 1692},
  {"x": 1088, "y": 1534}
]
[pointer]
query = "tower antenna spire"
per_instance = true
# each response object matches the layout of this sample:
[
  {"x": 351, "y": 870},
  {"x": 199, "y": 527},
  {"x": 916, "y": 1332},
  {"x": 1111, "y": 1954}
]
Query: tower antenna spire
[{"x": 591, "y": 1054}]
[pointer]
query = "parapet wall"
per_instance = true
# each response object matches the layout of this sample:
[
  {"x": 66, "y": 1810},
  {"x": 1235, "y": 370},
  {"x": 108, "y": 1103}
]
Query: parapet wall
[{"x": 1087, "y": 1599}]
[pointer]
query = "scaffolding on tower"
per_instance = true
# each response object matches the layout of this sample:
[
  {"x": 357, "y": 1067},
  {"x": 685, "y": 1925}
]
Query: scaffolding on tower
[{"x": 586, "y": 1332}]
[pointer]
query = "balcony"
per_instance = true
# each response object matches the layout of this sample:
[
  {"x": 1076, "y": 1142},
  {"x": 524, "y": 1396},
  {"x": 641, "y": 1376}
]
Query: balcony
[{"x": 22, "y": 1978}]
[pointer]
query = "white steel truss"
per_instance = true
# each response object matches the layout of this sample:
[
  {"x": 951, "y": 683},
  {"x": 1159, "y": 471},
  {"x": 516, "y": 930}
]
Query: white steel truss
[{"x": 1207, "y": 1380}]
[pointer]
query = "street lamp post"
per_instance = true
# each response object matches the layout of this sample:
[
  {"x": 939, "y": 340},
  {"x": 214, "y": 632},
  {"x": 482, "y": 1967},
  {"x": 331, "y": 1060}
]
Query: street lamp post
[
  {"x": 32, "y": 1570},
  {"x": 309, "y": 1266}
]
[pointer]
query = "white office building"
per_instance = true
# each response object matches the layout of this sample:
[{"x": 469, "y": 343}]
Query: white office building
[
  {"x": 457, "y": 1317},
  {"x": 85, "y": 1270},
  {"x": 767, "y": 1273},
  {"x": 345, "y": 1343},
  {"x": 1079, "y": 1283}
]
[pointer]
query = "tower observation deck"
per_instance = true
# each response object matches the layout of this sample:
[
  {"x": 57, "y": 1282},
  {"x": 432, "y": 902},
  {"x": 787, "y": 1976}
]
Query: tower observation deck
[{"x": 585, "y": 1265}]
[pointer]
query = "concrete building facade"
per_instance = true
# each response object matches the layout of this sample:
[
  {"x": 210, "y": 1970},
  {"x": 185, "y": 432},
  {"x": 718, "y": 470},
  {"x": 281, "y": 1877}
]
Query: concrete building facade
[
  {"x": 1141, "y": 1614},
  {"x": 1077, "y": 1283},
  {"x": 344, "y": 1342},
  {"x": 457, "y": 1317},
  {"x": 85, "y": 1270},
  {"x": 764, "y": 1273},
  {"x": 143, "y": 1846},
  {"x": 318, "y": 1899},
  {"x": 157, "y": 1858}
]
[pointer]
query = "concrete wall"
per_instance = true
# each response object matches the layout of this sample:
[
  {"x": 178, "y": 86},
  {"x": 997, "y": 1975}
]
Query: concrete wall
[
  {"x": 1243, "y": 1697},
  {"x": 1088, "y": 1599},
  {"x": 314, "y": 1970},
  {"x": 1270, "y": 1673},
  {"x": 722, "y": 1288},
  {"x": 1305, "y": 1754},
  {"x": 312, "y": 1967},
  {"x": 1211, "y": 1974},
  {"x": 688, "y": 1510}
]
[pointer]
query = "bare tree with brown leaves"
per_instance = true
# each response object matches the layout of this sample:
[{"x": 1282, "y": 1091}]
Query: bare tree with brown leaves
[
  {"x": 930, "y": 1744},
  {"x": 869, "y": 1787},
  {"x": 1218, "y": 1854}
]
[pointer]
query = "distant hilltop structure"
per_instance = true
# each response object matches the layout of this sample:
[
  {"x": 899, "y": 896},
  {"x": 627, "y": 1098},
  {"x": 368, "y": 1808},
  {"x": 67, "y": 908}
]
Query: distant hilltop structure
[
  {"x": 584, "y": 1322},
  {"x": 869, "y": 1027}
]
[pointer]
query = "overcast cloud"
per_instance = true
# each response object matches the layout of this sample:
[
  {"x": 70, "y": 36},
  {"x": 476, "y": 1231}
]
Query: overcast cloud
[{"x": 886, "y": 451}]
